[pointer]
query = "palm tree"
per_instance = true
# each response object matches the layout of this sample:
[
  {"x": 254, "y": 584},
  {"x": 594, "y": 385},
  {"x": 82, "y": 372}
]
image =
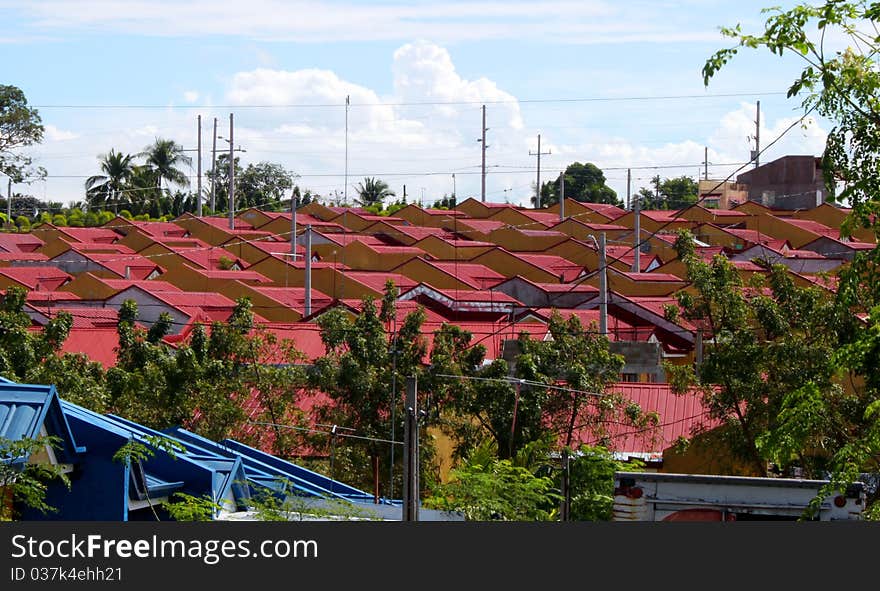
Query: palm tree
[
  {"x": 163, "y": 158},
  {"x": 106, "y": 188},
  {"x": 373, "y": 191}
]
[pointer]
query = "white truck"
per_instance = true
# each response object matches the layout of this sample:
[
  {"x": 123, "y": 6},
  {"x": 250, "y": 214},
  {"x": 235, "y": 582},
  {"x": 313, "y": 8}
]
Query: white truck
[{"x": 652, "y": 496}]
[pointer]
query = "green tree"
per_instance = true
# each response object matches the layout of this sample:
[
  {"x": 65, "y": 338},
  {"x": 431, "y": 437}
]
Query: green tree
[
  {"x": 20, "y": 127},
  {"x": 840, "y": 86},
  {"x": 591, "y": 481},
  {"x": 107, "y": 188},
  {"x": 679, "y": 192},
  {"x": 263, "y": 185},
  {"x": 23, "y": 484},
  {"x": 768, "y": 342},
  {"x": 485, "y": 488},
  {"x": 163, "y": 159},
  {"x": 362, "y": 361},
  {"x": 583, "y": 182},
  {"x": 373, "y": 191}
]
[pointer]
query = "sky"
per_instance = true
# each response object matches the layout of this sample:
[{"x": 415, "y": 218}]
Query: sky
[{"x": 617, "y": 84}]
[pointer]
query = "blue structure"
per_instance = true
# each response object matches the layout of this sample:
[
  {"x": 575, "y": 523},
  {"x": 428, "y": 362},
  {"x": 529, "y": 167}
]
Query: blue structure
[{"x": 107, "y": 489}]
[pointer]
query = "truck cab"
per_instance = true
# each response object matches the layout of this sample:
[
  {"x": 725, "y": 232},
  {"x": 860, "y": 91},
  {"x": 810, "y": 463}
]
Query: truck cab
[{"x": 652, "y": 496}]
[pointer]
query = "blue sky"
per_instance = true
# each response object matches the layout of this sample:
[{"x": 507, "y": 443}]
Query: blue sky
[{"x": 583, "y": 74}]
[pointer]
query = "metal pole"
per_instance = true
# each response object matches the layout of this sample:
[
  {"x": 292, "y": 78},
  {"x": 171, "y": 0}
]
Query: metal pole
[
  {"x": 483, "y": 185},
  {"x": 538, "y": 180},
  {"x": 565, "y": 510},
  {"x": 214, "y": 170},
  {"x": 706, "y": 163},
  {"x": 308, "y": 281},
  {"x": 199, "y": 172},
  {"x": 345, "y": 190},
  {"x": 758, "y": 136},
  {"x": 293, "y": 225},
  {"x": 603, "y": 287},
  {"x": 9, "y": 201},
  {"x": 562, "y": 196},
  {"x": 411, "y": 453},
  {"x": 637, "y": 236},
  {"x": 231, "y": 175}
]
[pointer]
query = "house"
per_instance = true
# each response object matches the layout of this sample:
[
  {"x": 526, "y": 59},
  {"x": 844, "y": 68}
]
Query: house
[
  {"x": 426, "y": 217},
  {"x": 526, "y": 240},
  {"x": 183, "y": 307},
  {"x": 43, "y": 278},
  {"x": 115, "y": 266},
  {"x": 790, "y": 182},
  {"x": 838, "y": 248},
  {"x": 93, "y": 287},
  {"x": 582, "y": 230},
  {"x": 449, "y": 274},
  {"x": 474, "y": 229},
  {"x": 463, "y": 304},
  {"x": 541, "y": 268},
  {"x": 800, "y": 261},
  {"x": 482, "y": 209},
  {"x": 591, "y": 213},
  {"x": 546, "y": 295},
  {"x": 526, "y": 219},
  {"x": 654, "y": 283},
  {"x": 216, "y": 231},
  {"x": 451, "y": 249}
]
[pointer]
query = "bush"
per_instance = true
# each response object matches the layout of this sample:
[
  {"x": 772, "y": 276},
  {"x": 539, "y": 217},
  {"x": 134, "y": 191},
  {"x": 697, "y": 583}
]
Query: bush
[
  {"x": 125, "y": 214},
  {"x": 59, "y": 219},
  {"x": 23, "y": 223}
]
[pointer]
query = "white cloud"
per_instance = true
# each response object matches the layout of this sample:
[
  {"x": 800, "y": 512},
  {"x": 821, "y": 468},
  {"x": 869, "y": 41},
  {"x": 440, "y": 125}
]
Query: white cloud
[
  {"x": 191, "y": 96},
  {"x": 319, "y": 21},
  {"x": 419, "y": 135}
]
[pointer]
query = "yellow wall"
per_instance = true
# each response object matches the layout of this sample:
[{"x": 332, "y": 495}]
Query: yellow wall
[
  {"x": 509, "y": 265},
  {"x": 421, "y": 272},
  {"x": 443, "y": 250},
  {"x": 513, "y": 239}
]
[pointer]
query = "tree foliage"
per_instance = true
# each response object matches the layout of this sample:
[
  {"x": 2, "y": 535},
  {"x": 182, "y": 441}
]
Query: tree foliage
[
  {"x": 583, "y": 182},
  {"x": 20, "y": 127},
  {"x": 23, "y": 484}
]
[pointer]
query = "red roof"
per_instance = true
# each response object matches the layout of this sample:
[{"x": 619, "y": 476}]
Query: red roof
[
  {"x": 652, "y": 276},
  {"x": 375, "y": 280},
  {"x": 606, "y": 209},
  {"x": 151, "y": 284},
  {"x": 23, "y": 256},
  {"x": 752, "y": 236},
  {"x": 221, "y": 222},
  {"x": 19, "y": 242},
  {"x": 475, "y": 274},
  {"x": 814, "y": 227},
  {"x": 133, "y": 266},
  {"x": 98, "y": 344},
  {"x": 40, "y": 297},
  {"x": 154, "y": 229},
  {"x": 541, "y": 217},
  {"x": 208, "y": 258},
  {"x": 295, "y": 297},
  {"x": 37, "y": 278},
  {"x": 470, "y": 225},
  {"x": 565, "y": 269},
  {"x": 679, "y": 416},
  {"x": 83, "y": 316},
  {"x": 93, "y": 235}
]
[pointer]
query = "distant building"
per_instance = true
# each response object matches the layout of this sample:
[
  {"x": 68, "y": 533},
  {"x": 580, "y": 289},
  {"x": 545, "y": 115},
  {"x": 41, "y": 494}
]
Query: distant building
[
  {"x": 790, "y": 182},
  {"x": 716, "y": 194}
]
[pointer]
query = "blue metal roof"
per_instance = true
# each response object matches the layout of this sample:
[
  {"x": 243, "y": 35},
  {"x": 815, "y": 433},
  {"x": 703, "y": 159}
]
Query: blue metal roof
[
  {"x": 26, "y": 408},
  {"x": 269, "y": 472}
]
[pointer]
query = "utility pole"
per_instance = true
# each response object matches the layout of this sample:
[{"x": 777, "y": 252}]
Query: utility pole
[
  {"x": 562, "y": 196},
  {"x": 756, "y": 155},
  {"x": 603, "y": 287},
  {"x": 538, "y": 188},
  {"x": 231, "y": 174},
  {"x": 345, "y": 190},
  {"x": 706, "y": 163},
  {"x": 411, "y": 453},
  {"x": 637, "y": 232},
  {"x": 214, "y": 170},
  {"x": 565, "y": 489},
  {"x": 484, "y": 146},
  {"x": 293, "y": 224},
  {"x": 453, "y": 187},
  {"x": 308, "y": 280},
  {"x": 9, "y": 201},
  {"x": 199, "y": 171}
]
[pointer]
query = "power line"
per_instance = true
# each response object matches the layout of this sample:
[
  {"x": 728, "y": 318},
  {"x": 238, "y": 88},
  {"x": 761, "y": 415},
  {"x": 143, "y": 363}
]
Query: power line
[{"x": 418, "y": 103}]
